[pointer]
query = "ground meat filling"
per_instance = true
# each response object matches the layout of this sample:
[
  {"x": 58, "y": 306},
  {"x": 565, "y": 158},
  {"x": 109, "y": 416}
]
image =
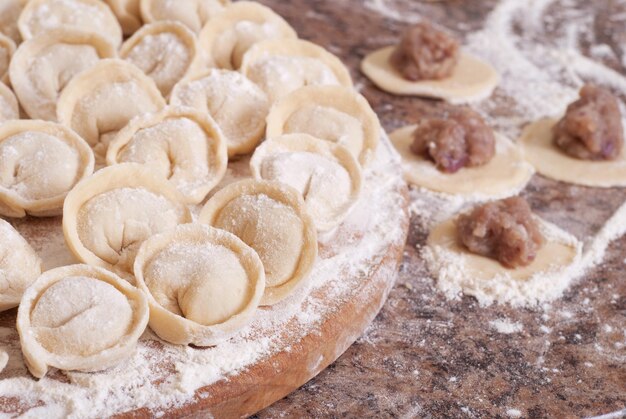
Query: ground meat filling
[
  {"x": 592, "y": 126},
  {"x": 425, "y": 53},
  {"x": 463, "y": 139},
  {"x": 503, "y": 230}
]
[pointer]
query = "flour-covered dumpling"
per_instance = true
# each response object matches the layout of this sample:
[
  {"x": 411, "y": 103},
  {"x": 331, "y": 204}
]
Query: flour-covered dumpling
[
  {"x": 271, "y": 218},
  {"x": 128, "y": 14},
  {"x": 333, "y": 113},
  {"x": 40, "y": 16},
  {"x": 9, "y": 107},
  {"x": 238, "y": 106},
  {"x": 228, "y": 37},
  {"x": 19, "y": 266},
  {"x": 9, "y": 13},
  {"x": 45, "y": 64},
  {"x": 165, "y": 51},
  {"x": 107, "y": 216},
  {"x": 181, "y": 144},
  {"x": 80, "y": 318},
  {"x": 192, "y": 13},
  {"x": 39, "y": 163},
  {"x": 281, "y": 66},
  {"x": 203, "y": 284},
  {"x": 327, "y": 175},
  {"x": 7, "y": 49},
  {"x": 103, "y": 99}
]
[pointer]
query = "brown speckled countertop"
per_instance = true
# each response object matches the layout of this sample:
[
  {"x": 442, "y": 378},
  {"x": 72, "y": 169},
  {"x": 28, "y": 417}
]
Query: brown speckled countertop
[{"x": 425, "y": 356}]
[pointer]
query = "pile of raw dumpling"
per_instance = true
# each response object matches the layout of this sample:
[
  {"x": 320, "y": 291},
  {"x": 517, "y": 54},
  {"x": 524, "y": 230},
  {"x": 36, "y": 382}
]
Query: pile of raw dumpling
[{"x": 122, "y": 115}]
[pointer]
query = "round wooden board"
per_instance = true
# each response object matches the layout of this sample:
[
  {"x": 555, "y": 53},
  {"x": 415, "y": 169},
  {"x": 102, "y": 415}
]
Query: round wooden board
[{"x": 284, "y": 347}]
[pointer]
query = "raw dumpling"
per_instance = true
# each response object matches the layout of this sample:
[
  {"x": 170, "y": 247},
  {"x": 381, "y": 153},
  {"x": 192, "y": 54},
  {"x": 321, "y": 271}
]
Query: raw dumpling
[
  {"x": 165, "y": 51},
  {"x": 94, "y": 16},
  {"x": 192, "y": 13},
  {"x": 39, "y": 163},
  {"x": 281, "y": 66},
  {"x": 127, "y": 13},
  {"x": 102, "y": 100},
  {"x": 9, "y": 107},
  {"x": 45, "y": 64},
  {"x": 271, "y": 218},
  {"x": 9, "y": 13},
  {"x": 7, "y": 49},
  {"x": 19, "y": 266},
  {"x": 332, "y": 113},
  {"x": 327, "y": 175},
  {"x": 107, "y": 216},
  {"x": 181, "y": 144},
  {"x": 203, "y": 284},
  {"x": 228, "y": 37},
  {"x": 80, "y": 318},
  {"x": 238, "y": 106}
]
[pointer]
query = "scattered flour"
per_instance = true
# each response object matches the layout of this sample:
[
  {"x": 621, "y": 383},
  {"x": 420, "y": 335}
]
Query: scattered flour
[
  {"x": 513, "y": 413},
  {"x": 160, "y": 376},
  {"x": 506, "y": 326}
]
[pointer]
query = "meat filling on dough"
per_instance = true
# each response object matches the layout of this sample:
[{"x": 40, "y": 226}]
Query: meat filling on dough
[
  {"x": 592, "y": 127},
  {"x": 425, "y": 53},
  {"x": 504, "y": 230},
  {"x": 463, "y": 139}
]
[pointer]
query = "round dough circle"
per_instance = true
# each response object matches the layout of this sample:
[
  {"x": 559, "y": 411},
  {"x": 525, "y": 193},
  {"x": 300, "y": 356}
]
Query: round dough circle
[
  {"x": 82, "y": 317},
  {"x": 328, "y": 99},
  {"x": 458, "y": 270},
  {"x": 172, "y": 136},
  {"x": 45, "y": 64},
  {"x": 40, "y": 16},
  {"x": 40, "y": 162},
  {"x": 505, "y": 175},
  {"x": 271, "y": 59},
  {"x": 272, "y": 218},
  {"x": 165, "y": 51},
  {"x": 230, "y": 35},
  {"x": 125, "y": 178},
  {"x": 471, "y": 81},
  {"x": 205, "y": 272},
  {"x": 550, "y": 161},
  {"x": 326, "y": 174},
  {"x": 237, "y": 105}
]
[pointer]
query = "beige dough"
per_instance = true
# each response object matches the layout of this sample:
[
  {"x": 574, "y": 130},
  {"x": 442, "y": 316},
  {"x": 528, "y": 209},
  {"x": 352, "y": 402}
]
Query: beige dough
[
  {"x": 192, "y": 13},
  {"x": 107, "y": 216},
  {"x": 271, "y": 218},
  {"x": 7, "y": 49},
  {"x": 203, "y": 284},
  {"x": 9, "y": 108},
  {"x": 550, "y": 161},
  {"x": 127, "y": 13},
  {"x": 79, "y": 317},
  {"x": 505, "y": 175},
  {"x": 458, "y": 270},
  {"x": 165, "y": 51},
  {"x": 45, "y": 64},
  {"x": 40, "y": 16},
  {"x": 9, "y": 13},
  {"x": 228, "y": 37},
  {"x": 181, "y": 144},
  {"x": 471, "y": 81},
  {"x": 333, "y": 113}
]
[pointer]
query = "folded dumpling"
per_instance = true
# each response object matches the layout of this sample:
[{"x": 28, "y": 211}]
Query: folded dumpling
[
  {"x": 81, "y": 318},
  {"x": 203, "y": 284},
  {"x": 192, "y": 13},
  {"x": 271, "y": 218},
  {"x": 9, "y": 107}
]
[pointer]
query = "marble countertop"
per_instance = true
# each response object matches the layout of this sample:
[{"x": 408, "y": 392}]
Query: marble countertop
[{"x": 425, "y": 356}]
